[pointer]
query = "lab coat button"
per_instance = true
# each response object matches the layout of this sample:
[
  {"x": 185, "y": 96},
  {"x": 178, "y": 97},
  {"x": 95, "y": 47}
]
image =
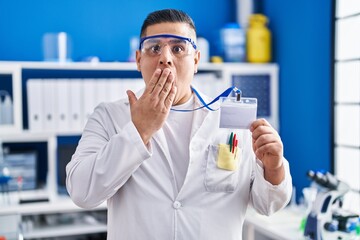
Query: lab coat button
[{"x": 176, "y": 205}]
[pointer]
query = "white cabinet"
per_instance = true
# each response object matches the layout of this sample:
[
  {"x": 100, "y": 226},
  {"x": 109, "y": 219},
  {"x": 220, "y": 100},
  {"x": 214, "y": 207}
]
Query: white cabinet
[
  {"x": 57, "y": 218},
  {"x": 72, "y": 79},
  {"x": 60, "y": 81}
]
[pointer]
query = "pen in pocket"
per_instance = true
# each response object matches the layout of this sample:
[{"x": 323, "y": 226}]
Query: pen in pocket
[{"x": 231, "y": 140}]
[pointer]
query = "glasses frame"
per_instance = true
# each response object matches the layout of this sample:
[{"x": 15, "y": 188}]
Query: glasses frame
[{"x": 167, "y": 36}]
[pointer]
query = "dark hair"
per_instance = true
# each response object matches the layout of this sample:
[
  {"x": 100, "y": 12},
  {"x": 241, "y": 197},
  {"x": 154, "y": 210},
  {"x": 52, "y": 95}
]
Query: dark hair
[{"x": 166, "y": 15}]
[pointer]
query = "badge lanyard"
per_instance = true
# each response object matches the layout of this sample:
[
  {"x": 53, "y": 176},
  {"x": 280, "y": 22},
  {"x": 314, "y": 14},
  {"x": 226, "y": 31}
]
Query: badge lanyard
[{"x": 206, "y": 105}]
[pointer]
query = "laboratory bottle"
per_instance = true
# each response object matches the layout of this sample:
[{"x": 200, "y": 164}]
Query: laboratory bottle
[
  {"x": 203, "y": 47},
  {"x": 233, "y": 43},
  {"x": 7, "y": 110},
  {"x": 4, "y": 170},
  {"x": 134, "y": 45},
  {"x": 258, "y": 40}
]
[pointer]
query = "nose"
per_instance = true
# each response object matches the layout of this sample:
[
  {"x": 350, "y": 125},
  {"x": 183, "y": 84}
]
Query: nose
[{"x": 166, "y": 56}]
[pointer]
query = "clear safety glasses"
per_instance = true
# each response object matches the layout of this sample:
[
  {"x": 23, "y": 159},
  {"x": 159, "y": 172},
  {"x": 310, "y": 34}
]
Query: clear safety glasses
[{"x": 179, "y": 46}]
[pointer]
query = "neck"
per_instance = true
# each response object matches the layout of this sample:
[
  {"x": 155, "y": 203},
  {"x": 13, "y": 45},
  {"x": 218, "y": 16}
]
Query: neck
[{"x": 184, "y": 98}]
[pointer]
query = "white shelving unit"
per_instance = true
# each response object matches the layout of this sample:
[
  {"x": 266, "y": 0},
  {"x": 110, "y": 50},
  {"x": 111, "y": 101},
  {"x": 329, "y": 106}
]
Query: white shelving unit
[
  {"x": 222, "y": 76},
  {"x": 60, "y": 205}
]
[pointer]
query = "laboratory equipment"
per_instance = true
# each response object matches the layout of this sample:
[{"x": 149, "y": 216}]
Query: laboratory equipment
[
  {"x": 6, "y": 108},
  {"x": 233, "y": 43},
  {"x": 203, "y": 46},
  {"x": 4, "y": 177},
  {"x": 57, "y": 47},
  {"x": 23, "y": 168},
  {"x": 330, "y": 192},
  {"x": 258, "y": 40}
]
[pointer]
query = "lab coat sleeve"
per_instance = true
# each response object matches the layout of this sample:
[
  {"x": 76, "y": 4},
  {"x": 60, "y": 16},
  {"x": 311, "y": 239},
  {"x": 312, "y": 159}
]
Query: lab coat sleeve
[
  {"x": 103, "y": 160},
  {"x": 265, "y": 197}
]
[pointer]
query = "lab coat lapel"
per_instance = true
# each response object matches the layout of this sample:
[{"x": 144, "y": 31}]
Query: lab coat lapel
[
  {"x": 199, "y": 118},
  {"x": 160, "y": 141}
]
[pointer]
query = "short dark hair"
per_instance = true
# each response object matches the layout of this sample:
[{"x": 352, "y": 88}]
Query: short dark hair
[{"x": 166, "y": 15}]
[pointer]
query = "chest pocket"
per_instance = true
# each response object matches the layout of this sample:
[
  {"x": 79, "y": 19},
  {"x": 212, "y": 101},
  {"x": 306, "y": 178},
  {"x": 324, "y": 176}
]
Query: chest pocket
[{"x": 218, "y": 178}]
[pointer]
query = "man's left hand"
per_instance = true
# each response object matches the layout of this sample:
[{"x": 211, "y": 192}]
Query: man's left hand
[{"x": 268, "y": 148}]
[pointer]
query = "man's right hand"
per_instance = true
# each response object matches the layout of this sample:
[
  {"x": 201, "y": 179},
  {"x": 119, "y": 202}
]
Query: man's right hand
[{"x": 149, "y": 112}]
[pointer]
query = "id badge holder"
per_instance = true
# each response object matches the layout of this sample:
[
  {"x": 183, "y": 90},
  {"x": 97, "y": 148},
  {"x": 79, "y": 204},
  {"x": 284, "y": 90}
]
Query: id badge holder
[{"x": 237, "y": 113}]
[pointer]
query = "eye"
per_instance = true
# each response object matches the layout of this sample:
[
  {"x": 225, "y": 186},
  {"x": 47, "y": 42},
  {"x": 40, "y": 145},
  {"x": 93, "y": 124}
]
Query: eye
[
  {"x": 155, "y": 49},
  {"x": 177, "y": 49}
]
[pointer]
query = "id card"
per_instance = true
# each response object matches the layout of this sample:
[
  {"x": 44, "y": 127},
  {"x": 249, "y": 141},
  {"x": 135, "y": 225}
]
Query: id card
[{"x": 237, "y": 114}]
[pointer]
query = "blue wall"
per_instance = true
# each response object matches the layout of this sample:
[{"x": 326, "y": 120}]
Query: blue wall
[
  {"x": 302, "y": 48},
  {"x": 98, "y": 27},
  {"x": 302, "y": 32}
]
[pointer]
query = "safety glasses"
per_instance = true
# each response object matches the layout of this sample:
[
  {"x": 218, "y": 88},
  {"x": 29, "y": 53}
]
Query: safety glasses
[{"x": 179, "y": 46}]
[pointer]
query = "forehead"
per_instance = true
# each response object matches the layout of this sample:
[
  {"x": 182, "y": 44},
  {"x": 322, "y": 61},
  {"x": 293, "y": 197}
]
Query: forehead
[{"x": 179, "y": 29}]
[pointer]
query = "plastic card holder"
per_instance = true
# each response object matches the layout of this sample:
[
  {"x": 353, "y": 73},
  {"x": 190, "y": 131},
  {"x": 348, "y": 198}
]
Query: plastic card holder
[{"x": 237, "y": 114}]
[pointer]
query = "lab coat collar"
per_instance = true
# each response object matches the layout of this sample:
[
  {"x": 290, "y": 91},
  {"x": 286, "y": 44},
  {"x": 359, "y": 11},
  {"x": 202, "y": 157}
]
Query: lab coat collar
[{"x": 198, "y": 123}]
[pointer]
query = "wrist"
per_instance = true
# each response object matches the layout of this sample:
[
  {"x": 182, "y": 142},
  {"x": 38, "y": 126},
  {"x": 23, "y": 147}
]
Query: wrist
[{"x": 275, "y": 175}]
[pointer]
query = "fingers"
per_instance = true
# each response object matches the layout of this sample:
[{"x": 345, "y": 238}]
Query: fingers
[
  {"x": 161, "y": 88},
  {"x": 273, "y": 147},
  {"x": 265, "y": 137},
  {"x": 165, "y": 91},
  {"x": 131, "y": 96},
  {"x": 259, "y": 122},
  {"x": 161, "y": 85},
  {"x": 271, "y": 151},
  {"x": 152, "y": 83},
  {"x": 170, "y": 98},
  {"x": 260, "y": 127}
]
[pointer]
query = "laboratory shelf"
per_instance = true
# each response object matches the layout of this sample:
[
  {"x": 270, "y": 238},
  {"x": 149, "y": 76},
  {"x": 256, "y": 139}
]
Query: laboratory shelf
[
  {"x": 65, "y": 230},
  {"x": 258, "y": 80}
]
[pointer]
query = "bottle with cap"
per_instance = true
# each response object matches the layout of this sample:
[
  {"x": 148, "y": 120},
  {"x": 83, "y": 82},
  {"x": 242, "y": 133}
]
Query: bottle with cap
[
  {"x": 134, "y": 45},
  {"x": 203, "y": 46},
  {"x": 233, "y": 43},
  {"x": 258, "y": 40},
  {"x": 6, "y": 108}
]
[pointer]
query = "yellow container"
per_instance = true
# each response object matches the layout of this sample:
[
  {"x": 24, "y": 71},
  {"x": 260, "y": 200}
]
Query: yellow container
[{"x": 258, "y": 40}]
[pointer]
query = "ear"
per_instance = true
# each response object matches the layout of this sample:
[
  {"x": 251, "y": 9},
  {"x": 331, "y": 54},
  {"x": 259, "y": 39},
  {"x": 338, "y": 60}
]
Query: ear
[
  {"x": 196, "y": 61},
  {"x": 138, "y": 58}
]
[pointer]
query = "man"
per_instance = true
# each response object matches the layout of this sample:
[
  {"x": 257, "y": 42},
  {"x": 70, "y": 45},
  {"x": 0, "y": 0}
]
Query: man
[{"x": 157, "y": 167}]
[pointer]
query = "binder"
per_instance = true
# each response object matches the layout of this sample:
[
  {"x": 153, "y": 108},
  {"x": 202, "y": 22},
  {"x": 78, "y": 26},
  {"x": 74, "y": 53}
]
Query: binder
[
  {"x": 102, "y": 90},
  {"x": 115, "y": 88},
  {"x": 49, "y": 96},
  {"x": 62, "y": 105},
  {"x": 35, "y": 104},
  {"x": 89, "y": 98},
  {"x": 209, "y": 84},
  {"x": 133, "y": 84},
  {"x": 76, "y": 117}
]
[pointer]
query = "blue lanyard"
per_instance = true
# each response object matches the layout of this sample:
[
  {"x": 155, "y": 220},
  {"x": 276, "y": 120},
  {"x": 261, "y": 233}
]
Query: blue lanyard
[{"x": 206, "y": 105}]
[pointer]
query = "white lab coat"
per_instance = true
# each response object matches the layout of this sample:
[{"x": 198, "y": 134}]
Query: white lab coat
[{"x": 112, "y": 163}]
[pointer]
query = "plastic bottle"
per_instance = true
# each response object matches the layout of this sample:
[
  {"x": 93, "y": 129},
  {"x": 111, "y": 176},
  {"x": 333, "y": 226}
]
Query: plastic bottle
[
  {"x": 7, "y": 110},
  {"x": 203, "y": 46},
  {"x": 258, "y": 39},
  {"x": 134, "y": 45},
  {"x": 233, "y": 43}
]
